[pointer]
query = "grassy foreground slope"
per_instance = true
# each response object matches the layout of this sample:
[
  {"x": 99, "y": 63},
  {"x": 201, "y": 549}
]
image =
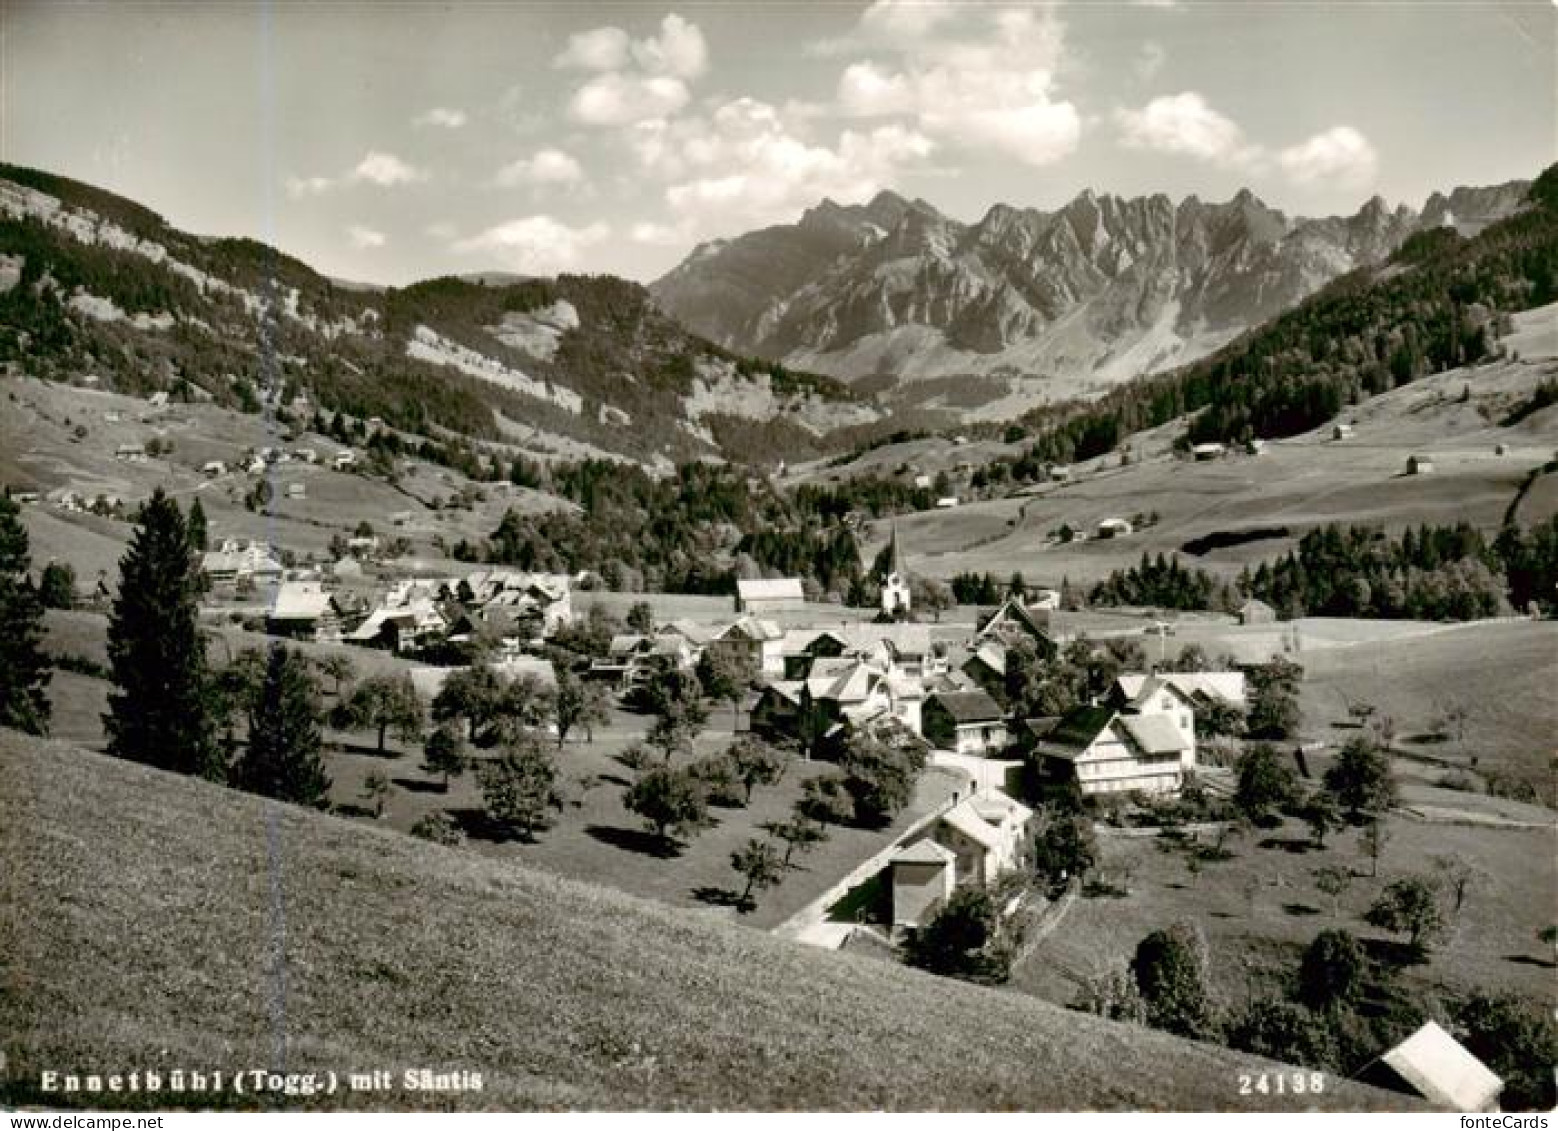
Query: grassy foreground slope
[{"x": 155, "y": 922}]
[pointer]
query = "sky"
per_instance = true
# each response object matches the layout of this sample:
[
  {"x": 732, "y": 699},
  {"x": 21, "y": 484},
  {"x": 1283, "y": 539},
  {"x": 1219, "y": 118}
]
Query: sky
[{"x": 390, "y": 142}]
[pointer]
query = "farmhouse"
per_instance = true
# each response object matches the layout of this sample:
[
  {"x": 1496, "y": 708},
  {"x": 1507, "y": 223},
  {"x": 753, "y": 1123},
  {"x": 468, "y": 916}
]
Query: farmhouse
[
  {"x": 1419, "y": 465},
  {"x": 1204, "y": 452},
  {"x": 975, "y": 842},
  {"x": 1014, "y": 621},
  {"x": 986, "y": 668},
  {"x": 1341, "y": 431},
  {"x": 132, "y": 453},
  {"x": 1108, "y": 750},
  {"x": 966, "y": 722},
  {"x": 753, "y": 643},
  {"x": 1434, "y": 1065},
  {"x": 1114, "y": 528},
  {"x": 303, "y": 611},
  {"x": 235, "y": 560},
  {"x": 1256, "y": 611},
  {"x": 1201, "y": 689},
  {"x": 214, "y": 467},
  {"x": 759, "y": 595}
]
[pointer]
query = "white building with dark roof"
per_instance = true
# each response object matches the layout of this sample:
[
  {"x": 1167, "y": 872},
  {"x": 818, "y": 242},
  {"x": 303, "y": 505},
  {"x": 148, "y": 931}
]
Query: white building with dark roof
[{"x": 760, "y": 595}]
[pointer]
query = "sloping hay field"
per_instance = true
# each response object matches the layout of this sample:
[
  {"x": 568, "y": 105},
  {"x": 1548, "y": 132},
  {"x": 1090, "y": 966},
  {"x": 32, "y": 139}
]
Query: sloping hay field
[{"x": 152, "y": 921}]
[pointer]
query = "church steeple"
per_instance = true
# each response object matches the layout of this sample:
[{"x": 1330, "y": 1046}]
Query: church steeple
[
  {"x": 895, "y": 582},
  {"x": 894, "y": 554}
]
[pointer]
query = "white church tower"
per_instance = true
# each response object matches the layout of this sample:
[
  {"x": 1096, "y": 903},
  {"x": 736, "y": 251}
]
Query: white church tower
[{"x": 895, "y": 586}]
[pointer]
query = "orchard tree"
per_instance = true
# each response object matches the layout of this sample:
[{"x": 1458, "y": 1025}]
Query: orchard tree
[
  {"x": 756, "y": 762},
  {"x": 1170, "y": 972},
  {"x": 1266, "y": 784},
  {"x": 444, "y": 753},
  {"x": 800, "y": 834},
  {"x": 1372, "y": 840},
  {"x": 520, "y": 786},
  {"x": 758, "y": 862},
  {"x": 1361, "y": 780},
  {"x": 1411, "y": 906},
  {"x": 24, "y": 668},
  {"x": 339, "y": 670},
  {"x": 437, "y": 827},
  {"x": 725, "y": 678},
  {"x": 57, "y": 586},
  {"x": 826, "y": 800},
  {"x": 674, "y": 700},
  {"x": 671, "y": 802},
  {"x": 1064, "y": 852},
  {"x": 474, "y": 694},
  {"x": 162, "y": 709},
  {"x": 1322, "y": 815},
  {"x": 641, "y": 618},
  {"x": 1334, "y": 882},
  {"x": 579, "y": 703},
  {"x": 1332, "y": 971},
  {"x": 385, "y": 703},
  {"x": 375, "y": 788},
  {"x": 285, "y": 755}
]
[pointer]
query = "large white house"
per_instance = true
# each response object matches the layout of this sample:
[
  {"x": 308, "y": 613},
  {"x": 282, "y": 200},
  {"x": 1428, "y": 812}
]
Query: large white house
[
  {"x": 974, "y": 842},
  {"x": 1146, "y": 745}
]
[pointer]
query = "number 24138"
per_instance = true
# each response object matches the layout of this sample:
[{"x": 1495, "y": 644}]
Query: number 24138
[{"x": 1281, "y": 1083}]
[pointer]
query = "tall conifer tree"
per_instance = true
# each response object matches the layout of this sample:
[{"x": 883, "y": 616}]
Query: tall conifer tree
[
  {"x": 283, "y": 760},
  {"x": 24, "y": 669},
  {"x": 161, "y": 711}
]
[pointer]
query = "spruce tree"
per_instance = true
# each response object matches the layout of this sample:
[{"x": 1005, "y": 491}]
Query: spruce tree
[
  {"x": 284, "y": 758},
  {"x": 161, "y": 711},
  {"x": 197, "y": 526},
  {"x": 24, "y": 669}
]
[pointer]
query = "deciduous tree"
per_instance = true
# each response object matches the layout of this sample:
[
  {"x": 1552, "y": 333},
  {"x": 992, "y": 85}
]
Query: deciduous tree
[{"x": 387, "y": 702}]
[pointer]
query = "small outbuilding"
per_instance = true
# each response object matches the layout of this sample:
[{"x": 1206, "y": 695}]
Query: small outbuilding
[
  {"x": 1255, "y": 611},
  {"x": 1204, "y": 452},
  {"x": 1419, "y": 465},
  {"x": 1341, "y": 431},
  {"x": 1434, "y": 1065},
  {"x": 1114, "y": 528}
]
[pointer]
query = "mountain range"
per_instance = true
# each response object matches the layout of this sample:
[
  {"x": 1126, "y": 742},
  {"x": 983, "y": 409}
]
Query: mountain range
[{"x": 1074, "y": 300}]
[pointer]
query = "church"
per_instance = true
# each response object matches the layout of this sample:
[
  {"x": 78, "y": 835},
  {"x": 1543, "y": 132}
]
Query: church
[{"x": 895, "y": 585}]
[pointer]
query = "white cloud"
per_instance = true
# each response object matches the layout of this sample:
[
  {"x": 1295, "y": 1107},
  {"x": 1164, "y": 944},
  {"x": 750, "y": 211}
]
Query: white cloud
[
  {"x": 638, "y": 79},
  {"x": 966, "y": 75},
  {"x": 602, "y": 49},
  {"x": 441, "y": 230},
  {"x": 748, "y": 164},
  {"x": 544, "y": 167},
  {"x": 661, "y": 235},
  {"x": 442, "y": 118},
  {"x": 386, "y": 170},
  {"x": 536, "y": 244},
  {"x": 1165, "y": 5},
  {"x": 614, "y": 99},
  {"x": 866, "y": 90},
  {"x": 1183, "y": 123},
  {"x": 679, "y": 50},
  {"x": 1340, "y": 154},
  {"x": 298, "y": 187},
  {"x": 365, "y": 238}
]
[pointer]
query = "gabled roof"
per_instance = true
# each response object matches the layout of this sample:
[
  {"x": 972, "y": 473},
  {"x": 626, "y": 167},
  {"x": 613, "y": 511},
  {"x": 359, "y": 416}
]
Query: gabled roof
[
  {"x": 969, "y": 706},
  {"x": 1138, "y": 689},
  {"x": 1255, "y": 605},
  {"x": 300, "y": 600},
  {"x": 924, "y": 851},
  {"x": 695, "y": 633},
  {"x": 1441, "y": 1070},
  {"x": 752, "y": 628},
  {"x": 992, "y": 653},
  {"x": 770, "y": 589},
  {"x": 1014, "y": 612},
  {"x": 1155, "y": 734},
  {"x": 625, "y": 643},
  {"x": 997, "y": 808},
  {"x": 1075, "y": 732},
  {"x": 967, "y": 821}
]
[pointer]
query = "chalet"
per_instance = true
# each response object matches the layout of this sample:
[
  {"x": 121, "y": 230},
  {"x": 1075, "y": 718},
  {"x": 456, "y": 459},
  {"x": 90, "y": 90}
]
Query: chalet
[
  {"x": 1202, "y": 689},
  {"x": 302, "y": 610},
  {"x": 1419, "y": 465},
  {"x": 1114, "y": 528},
  {"x": 966, "y": 722},
  {"x": 131, "y": 453},
  {"x": 341, "y": 461},
  {"x": 696, "y": 635},
  {"x": 899, "y": 649},
  {"x": 1205, "y": 452},
  {"x": 1113, "y": 750},
  {"x": 536, "y": 605},
  {"x": 973, "y": 843},
  {"x": 1341, "y": 431},
  {"x": 1059, "y": 473},
  {"x": 754, "y": 643},
  {"x": 235, "y": 560},
  {"x": 761, "y": 595},
  {"x": 297, "y": 491},
  {"x": 947, "y": 502},
  {"x": 1434, "y": 1065},
  {"x": 214, "y": 468},
  {"x": 1255, "y": 611},
  {"x": 986, "y": 668},
  {"x": 632, "y": 659},
  {"x": 1015, "y": 621}
]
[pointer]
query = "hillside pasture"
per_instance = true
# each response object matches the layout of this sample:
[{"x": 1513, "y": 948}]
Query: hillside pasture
[{"x": 149, "y": 931}]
